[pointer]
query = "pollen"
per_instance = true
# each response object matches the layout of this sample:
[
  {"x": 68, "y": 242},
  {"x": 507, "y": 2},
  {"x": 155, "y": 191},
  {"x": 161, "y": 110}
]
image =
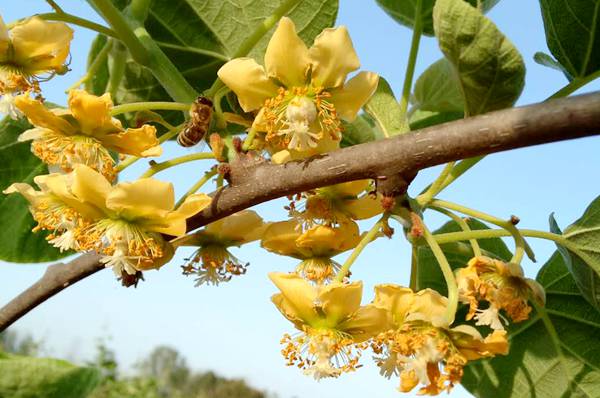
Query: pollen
[{"x": 213, "y": 264}]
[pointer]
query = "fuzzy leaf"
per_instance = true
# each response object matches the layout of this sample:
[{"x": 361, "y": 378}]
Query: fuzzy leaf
[
  {"x": 438, "y": 89},
  {"x": 384, "y": 109}
]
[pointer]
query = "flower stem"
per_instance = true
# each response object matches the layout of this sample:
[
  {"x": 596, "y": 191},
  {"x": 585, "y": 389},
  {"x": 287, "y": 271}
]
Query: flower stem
[
  {"x": 251, "y": 41},
  {"x": 463, "y": 225},
  {"x": 368, "y": 238},
  {"x": 157, "y": 167},
  {"x": 249, "y": 139},
  {"x": 446, "y": 271},
  {"x": 207, "y": 176},
  {"x": 55, "y": 6},
  {"x": 412, "y": 60},
  {"x": 116, "y": 68},
  {"x": 436, "y": 186},
  {"x": 414, "y": 264},
  {"x": 142, "y": 106},
  {"x": 75, "y": 20},
  {"x": 93, "y": 68},
  {"x": 575, "y": 85},
  {"x": 520, "y": 245}
]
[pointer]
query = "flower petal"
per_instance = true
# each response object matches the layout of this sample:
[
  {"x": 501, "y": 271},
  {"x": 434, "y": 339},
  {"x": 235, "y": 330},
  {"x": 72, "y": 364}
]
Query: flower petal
[
  {"x": 429, "y": 306},
  {"x": 141, "y": 142},
  {"x": 324, "y": 241},
  {"x": 396, "y": 299},
  {"x": 93, "y": 113},
  {"x": 144, "y": 198},
  {"x": 40, "y": 116},
  {"x": 287, "y": 57},
  {"x": 4, "y": 40},
  {"x": 363, "y": 208},
  {"x": 89, "y": 186},
  {"x": 354, "y": 94},
  {"x": 174, "y": 222},
  {"x": 366, "y": 322},
  {"x": 241, "y": 227},
  {"x": 333, "y": 57},
  {"x": 25, "y": 190},
  {"x": 339, "y": 301},
  {"x": 248, "y": 80},
  {"x": 280, "y": 237},
  {"x": 299, "y": 295},
  {"x": 40, "y": 45}
]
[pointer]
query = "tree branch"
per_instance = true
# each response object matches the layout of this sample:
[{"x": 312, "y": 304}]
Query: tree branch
[{"x": 254, "y": 182}]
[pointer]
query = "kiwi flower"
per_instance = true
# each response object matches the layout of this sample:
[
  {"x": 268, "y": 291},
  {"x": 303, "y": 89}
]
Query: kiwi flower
[
  {"x": 502, "y": 285},
  {"x": 421, "y": 347},
  {"x": 83, "y": 134},
  {"x": 314, "y": 247},
  {"x": 29, "y": 50},
  {"x": 301, "y": 94},
  {"x": 125, "y": 223},
  {"x": 333, "y": 325},
  {"x": 212, "y": 262}
]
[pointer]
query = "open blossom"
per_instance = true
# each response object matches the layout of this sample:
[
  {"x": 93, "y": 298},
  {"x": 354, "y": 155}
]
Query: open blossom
[
  {"x": 84, "y": 133},
  {"x": 502, "y": 285},
  {"x": 314, "y": 247},
  {"x": 333, "y": 325},
  {"x": 124, "y": 223},
  {"x": 337, "y": 204},
  {"x": 301, "y": 93},
  {"x": 29, "y": 50},
  {"x": 420, "y": 347},
  {"x": 212, "y": 262}
]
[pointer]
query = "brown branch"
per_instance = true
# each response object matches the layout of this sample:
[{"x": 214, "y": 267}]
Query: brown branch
[{"x": 255, "y": 182}]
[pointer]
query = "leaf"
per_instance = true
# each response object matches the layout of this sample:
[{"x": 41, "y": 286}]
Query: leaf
[
  {"x": 490, "y": 70},
  {"x": 458, "y": 254},
  {"x": 361, "y": 130},
  {"x": 573, "y": 34},
  {"x": 563, "y": 362},
  {"x": 200, "y": 35},
  {"x": 27, "y": 377},
  {"x": 17, "y": 243},
  {"x": 385, "y": 110},
  {"x": 403, "y": 11},
  {"x": 547, "y": 60},
  {"x": 420, "y": 119},
  {"x": 581, "y": 251},
  {"x": 438, "y": 89}
]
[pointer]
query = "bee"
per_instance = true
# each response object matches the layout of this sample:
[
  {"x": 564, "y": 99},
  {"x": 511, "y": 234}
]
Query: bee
[{"x": 196, "y": 128}]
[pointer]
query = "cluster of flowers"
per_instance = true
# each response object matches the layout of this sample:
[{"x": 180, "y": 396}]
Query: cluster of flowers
[
  {"x": 298, "y": 99},
  {"x": 78, "y": 203}
]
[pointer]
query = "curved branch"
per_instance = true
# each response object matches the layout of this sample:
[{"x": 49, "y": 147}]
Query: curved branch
[{"x": 254, "y": 182}]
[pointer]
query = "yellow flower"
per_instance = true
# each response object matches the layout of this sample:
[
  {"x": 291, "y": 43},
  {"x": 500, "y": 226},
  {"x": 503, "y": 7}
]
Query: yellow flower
[
  {"x": 301, "y": 95},
  {"x": 31, "y": 48},
  {"x": 84, "y": 133},
  {"x": 337, "y": 204},
  {"x": 421, "y": 347},
  {"x": 334, "y": 326},
  {"x": 212, "y": 262},
  {"x": 502, "y": 285},
  {"x": 315, "y": 246}
]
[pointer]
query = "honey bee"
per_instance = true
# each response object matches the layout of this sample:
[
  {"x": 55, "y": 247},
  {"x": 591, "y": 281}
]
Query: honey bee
[{"x": 196, "y": 128}]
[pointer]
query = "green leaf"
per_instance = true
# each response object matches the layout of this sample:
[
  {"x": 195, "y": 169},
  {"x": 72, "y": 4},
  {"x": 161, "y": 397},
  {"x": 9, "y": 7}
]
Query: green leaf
[
  {"x": 547, "y": 60},
  {"x": 403, "y": 11},
  {"x": 558, "y": 360},
  {"x": 490, "y": 70},
  {"x": 26, "y": 377},
  {"x": 200, "y": 35},
  {"x": 438, "y": 89},
  {"x": 420, "y": 119},
  {"x": 573, "y": 34},
  {"x": 581, "y": 251},
  {"x": 385, "y": 110},
  {"x": 361, "y": 130},
  {"x": 17, "y": 243},
  {"x": 458, "y": 254}
]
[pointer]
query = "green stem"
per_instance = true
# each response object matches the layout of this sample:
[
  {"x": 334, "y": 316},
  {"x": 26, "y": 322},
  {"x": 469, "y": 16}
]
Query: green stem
[
  {"x": 138, "y": 9},
  {"x": 436, "y": 186},
  {"x": 93, "y": 68},
  {"x": 143, "y": 106},
  {"x": 249, "y": 139},
  {"x": 121, "y": 27},
  {"x": 157, "y": 167},
  {"x": 368, "y": 238},
  {"x": 451, "y": 237},
  {"x": 251, "y": 41},
  {"x": 446, "y": 271},
  {"x": 195, "y": 50},
  {"x": 520, "y": 244},
  {"x": 55, "y": 6},
  {"x": 575, "y": 85},
  {"x": 412, "y": 60},
  {"x": 463, "y": 225},
  {"x": 414, "y": 264},
  {"x": 75, "y": 20},
  {"x": 116, "y": 66},
  {"x": 207, "y": 176}
]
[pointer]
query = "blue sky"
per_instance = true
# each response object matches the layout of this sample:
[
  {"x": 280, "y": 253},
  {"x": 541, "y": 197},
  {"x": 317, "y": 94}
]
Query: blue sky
[{"x": 234, "y": 329}]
